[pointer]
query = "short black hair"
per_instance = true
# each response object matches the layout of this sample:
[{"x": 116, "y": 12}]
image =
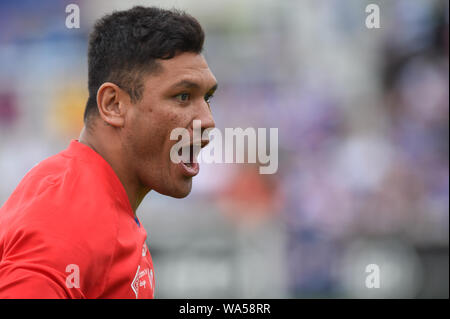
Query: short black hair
[{"x": 124, "y": 45}]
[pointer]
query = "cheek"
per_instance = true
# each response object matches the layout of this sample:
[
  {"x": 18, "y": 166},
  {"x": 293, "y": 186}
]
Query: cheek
[
  {"x": 148, "y": 135},
  {"x": 149, "y": 140},
  {"x": 136, "y": 138}
]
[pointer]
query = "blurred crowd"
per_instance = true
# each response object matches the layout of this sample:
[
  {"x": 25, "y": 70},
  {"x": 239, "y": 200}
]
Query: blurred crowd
[{"x": 363, "y": 120}]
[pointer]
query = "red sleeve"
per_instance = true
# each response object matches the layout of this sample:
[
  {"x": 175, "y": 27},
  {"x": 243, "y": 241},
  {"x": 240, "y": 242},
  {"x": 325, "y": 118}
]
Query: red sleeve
[
  {"x": 37, "y": 259},
  {"x": 23, "y": 282},
  {"x": 32, "y": 265},
  {"x": 57, "y": 217}
]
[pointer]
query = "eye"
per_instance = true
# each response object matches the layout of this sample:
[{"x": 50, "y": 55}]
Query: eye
[
  {"x": 183, "y": 97},
  {"x": 208, "y": 98}
]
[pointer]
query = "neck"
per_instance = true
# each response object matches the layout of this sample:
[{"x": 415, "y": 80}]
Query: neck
[{"x": 111, "y": 152}]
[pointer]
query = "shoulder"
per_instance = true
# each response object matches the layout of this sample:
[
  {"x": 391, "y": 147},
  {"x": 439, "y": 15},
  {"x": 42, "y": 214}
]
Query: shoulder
[
  {"x": 59, "y": 218},
  {"x": 61, "y": 194}
]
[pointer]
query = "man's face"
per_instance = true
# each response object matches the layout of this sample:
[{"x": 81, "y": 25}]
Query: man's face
[{"x": 172, "y": 97}]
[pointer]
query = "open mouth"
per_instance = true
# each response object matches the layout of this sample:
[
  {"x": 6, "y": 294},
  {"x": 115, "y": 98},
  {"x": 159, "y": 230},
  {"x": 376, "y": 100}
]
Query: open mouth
[
  {"x": 187, "y": 154},
  {"x": 189, "y": 165}
]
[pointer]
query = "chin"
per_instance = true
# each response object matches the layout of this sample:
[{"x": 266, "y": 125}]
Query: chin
[
  {"x": 180, "y": 195},
  {"x": 177, "y": 191}
]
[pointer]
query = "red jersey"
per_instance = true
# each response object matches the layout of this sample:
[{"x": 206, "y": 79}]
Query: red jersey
[{"x": 68, "y": 231}]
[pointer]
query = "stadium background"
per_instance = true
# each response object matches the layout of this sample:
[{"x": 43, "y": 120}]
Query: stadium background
[{"x": 363, "y": 120}]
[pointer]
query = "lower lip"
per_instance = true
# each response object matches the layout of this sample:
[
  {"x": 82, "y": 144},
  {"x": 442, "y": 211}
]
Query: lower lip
[{"x": 190, "y": 171}]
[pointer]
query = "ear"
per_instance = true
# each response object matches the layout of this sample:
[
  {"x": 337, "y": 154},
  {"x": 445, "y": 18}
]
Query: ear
[{"x": 111, "y": 104}]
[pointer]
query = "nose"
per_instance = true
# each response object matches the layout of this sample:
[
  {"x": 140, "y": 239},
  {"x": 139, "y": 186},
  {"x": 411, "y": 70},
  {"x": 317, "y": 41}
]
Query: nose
[{"x": 207, "y": 120}]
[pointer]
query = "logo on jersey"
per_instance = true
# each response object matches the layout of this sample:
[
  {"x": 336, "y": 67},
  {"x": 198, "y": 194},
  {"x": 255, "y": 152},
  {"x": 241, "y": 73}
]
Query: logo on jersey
[{"x": 143, "y": 279}]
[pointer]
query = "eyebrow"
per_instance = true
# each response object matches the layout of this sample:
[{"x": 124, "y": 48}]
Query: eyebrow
[{"x": 191, "y": 85}]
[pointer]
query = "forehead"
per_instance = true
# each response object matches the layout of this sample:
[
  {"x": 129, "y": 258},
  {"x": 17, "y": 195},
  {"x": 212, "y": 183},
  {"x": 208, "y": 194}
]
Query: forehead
[{"x": 186, "y": 66}]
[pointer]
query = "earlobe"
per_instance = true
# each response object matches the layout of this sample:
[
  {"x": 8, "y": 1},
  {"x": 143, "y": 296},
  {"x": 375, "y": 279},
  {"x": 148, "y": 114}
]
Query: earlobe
[{"x": 110, "y": 106}]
